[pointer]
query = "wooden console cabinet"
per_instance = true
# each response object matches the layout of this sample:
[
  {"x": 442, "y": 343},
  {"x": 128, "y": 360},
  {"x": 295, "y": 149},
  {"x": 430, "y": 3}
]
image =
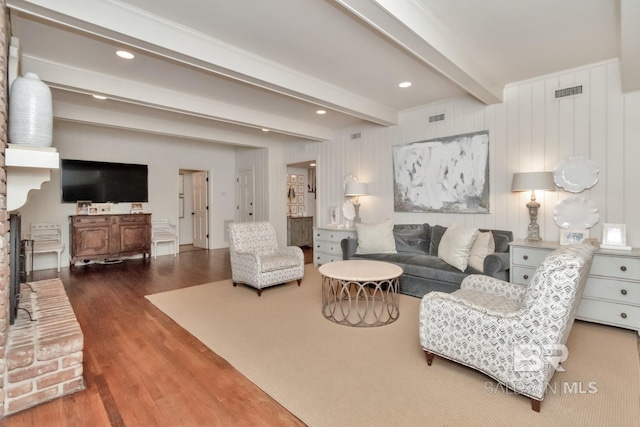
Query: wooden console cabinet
[{"x": 102, "y": 237}]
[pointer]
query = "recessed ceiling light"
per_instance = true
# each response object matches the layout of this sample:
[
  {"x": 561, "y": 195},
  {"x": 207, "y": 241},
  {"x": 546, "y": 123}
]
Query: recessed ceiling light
[
  {"x": 312, "y": 164},
  {"x": 321, "y": 112},
  {"x": 265, "y": 130},
  {"x": 99, "y": 97},
  {"x": 405, "y": 84},
  {"x": 124, "y": 54}
]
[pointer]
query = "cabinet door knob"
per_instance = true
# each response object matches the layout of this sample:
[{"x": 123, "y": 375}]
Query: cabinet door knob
[
  {"x": 526, "y": 276},
  {"x": 623, "y": 268},
  {"x": 526, "y": 257},
  {"x": 623, "y": 315},
  {"x": 623, "y": 291}
]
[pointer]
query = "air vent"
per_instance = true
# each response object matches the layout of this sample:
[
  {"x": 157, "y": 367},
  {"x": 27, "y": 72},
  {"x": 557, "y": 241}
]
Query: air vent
[
  {"x": 436, "y": 118},
  {"x": 356, "y": 135},
  {"x": 569, "y": 91}
]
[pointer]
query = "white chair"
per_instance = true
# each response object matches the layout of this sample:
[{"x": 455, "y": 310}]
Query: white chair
[
  {"x": 163, "y": 232},
  {"x": 43, "y": 238},
  {"x": 258, "y": 261}
]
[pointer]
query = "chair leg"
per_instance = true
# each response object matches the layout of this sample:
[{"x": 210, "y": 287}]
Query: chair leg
[
  {"x": 235, "y": 284},
  {"x": 429, "y": 357},
  {"x": 259, "y": 292},
  {"x": 299, "y": 281},
  {"x": 535, "y": 404}
]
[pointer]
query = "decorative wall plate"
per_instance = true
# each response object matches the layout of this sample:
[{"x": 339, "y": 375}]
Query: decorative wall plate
[
  {"x": 576, "y": 212},
  {"x": 348, "y": 211},
  {"x": 576, "y": 174}
]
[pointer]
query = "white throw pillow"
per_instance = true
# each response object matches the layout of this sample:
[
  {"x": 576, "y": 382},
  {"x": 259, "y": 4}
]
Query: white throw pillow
[
  {"x": 456, "y": 244},
  {"x": 376, "y": 238},
  {"x": 483, "y": 246}
]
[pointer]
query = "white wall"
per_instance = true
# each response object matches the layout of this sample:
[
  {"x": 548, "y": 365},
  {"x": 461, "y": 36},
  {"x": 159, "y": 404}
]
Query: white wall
[
  {"x": 165, "y": 156},
  {"x": 529, "y": 131}
]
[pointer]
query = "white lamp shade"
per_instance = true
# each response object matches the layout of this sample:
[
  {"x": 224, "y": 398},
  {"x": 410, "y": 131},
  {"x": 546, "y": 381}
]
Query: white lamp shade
[
  {"x": 355, "y": 189},
  {"x": 527, "y": 181}
]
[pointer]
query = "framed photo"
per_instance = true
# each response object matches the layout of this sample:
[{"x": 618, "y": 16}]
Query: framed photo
[
  {"x": 569, "y": 237},
  {"x": 93, "y": 210},
  {"x": 82, "y": 207},
  {"x": 104, "y": 208},
  {"x": 301, "y": 179},
  {"x": 300, "y": 189},
  {"x": 293, "y": 178},
  {"x": 136, "y": 207},
  {"x": 294, "y": 209},
  {"x": 614, "y": 234},
  {"x": 301, "y": 200}
]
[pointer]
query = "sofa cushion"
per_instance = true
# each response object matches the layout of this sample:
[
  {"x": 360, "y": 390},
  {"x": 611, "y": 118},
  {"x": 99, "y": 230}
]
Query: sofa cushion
[
  {"x": 501, "y": 242},
  {"x": 376, "y": 238},
  {"x": 455, "y": 245},
  {"x": 437, "y": 231},
  {"x": 412, "y": 238},
  {"x": 483, "y": 246}
]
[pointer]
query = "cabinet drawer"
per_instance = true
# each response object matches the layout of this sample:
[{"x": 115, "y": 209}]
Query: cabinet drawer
[
  {"x": 609, "y": 313},
  {"x": 332, "y": 248},
  {"x": 332, "y": 235},
  {"x": 616, "y": 266},
  {"x": 134, "y": 219},
  {"x": 90, "y": 221},
  {"x": 323, "y": 258},
  {"x": 522, "y": 275},
  {"x": 613, "y": 290},
  {"x": 528, "y": 257}
]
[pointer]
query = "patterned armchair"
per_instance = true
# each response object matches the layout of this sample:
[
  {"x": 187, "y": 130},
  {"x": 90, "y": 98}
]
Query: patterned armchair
[
  {"x": 512, "y": 333},
  {"x": 258, "y": 261}
]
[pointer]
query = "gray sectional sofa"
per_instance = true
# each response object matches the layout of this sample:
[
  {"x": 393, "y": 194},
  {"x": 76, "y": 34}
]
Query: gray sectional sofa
[{"x": 417, "y": 254}]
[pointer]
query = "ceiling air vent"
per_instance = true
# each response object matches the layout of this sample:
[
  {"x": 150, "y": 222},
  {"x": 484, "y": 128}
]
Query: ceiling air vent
[
  {"x": 436, "y": 118},
  {"x": 356, "y": 135},
  {"x": 569, "y": 91}
]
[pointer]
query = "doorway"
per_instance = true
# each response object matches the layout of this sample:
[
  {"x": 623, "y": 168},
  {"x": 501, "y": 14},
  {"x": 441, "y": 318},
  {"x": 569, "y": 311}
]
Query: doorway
[{"x": 193, "y": 209}]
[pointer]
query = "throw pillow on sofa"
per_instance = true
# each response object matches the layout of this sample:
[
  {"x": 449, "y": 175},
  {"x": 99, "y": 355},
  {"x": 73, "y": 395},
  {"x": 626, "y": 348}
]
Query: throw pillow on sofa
[
  {"x": 376, "y": 238},
  {"x": 483, "y": 246},
  {"x": 455, "y": 245}
]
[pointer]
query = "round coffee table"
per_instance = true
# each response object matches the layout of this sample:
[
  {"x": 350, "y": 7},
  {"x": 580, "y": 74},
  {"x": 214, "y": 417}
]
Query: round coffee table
[{"x": 360, "y": 292}]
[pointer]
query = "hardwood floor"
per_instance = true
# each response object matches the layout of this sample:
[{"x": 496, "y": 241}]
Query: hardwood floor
[{"x": 141, "y": 368}]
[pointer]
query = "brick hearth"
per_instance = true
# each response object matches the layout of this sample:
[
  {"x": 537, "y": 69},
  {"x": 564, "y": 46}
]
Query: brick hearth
[{"x": 44, "y": 357}]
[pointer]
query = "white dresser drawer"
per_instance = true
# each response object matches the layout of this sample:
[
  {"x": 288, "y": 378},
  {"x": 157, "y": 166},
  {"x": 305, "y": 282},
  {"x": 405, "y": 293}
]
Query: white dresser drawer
[
  {"x": 529, "y": 257},
  {"x": 326, "y": 244},
  {"x": 332, "y": 235},
  {"x": 616, "y": 266},
  {"x": 612, "y": 290},
  {"x": 323, "y": 258},
  {"x": 610, "y": 313},
  {"x": 522, "y": 275},
  {"x": 332, "y": 248}
]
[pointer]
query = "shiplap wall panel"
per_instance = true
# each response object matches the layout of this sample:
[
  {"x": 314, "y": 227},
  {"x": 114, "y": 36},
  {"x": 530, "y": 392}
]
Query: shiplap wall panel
[{"x": 530, "y": 131}]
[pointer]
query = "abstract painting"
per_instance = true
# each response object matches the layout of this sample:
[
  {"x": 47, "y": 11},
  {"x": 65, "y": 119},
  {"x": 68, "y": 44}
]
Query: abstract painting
[{"x": 449, "y": 174}]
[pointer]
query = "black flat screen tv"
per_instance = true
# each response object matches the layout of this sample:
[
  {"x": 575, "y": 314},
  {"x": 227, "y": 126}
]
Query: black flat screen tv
[{"x": 103, "y": 182}]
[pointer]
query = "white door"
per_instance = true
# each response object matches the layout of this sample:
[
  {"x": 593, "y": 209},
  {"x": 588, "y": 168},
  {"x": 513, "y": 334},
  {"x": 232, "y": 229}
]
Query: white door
[
  {"x": 200, "y": 210},
  {"x": 245, "y": 208}
]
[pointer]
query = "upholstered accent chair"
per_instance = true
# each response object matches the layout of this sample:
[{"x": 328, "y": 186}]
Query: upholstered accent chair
[
  {"x": 510, "y": 332},
  {"x": 258, "y": 261}
]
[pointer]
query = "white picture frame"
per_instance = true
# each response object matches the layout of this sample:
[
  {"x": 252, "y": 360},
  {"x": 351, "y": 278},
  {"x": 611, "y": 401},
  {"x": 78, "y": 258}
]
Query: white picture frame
[
  {"x": 136, "y": 207},
  {"x": 335, "y": 215},
  {"x": 570, "y": 237},
  {"x": 104, "y": 208},
  {"x": 614, "y": 234},
  {"x": 82, "y": 207}
]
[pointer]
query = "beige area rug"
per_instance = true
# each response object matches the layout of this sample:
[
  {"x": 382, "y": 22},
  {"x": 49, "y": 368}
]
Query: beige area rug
[{"x": 333, "y": 375}]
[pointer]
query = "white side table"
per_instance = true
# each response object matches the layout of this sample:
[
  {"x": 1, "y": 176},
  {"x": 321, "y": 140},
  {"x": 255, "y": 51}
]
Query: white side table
[
  {"x": 360, "y": 292},
  {"x": 612, "y": 293}
]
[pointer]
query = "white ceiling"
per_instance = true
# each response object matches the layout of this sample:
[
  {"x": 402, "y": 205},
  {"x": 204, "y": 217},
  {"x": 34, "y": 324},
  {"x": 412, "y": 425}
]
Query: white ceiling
[{"x": 222, "y": 70}]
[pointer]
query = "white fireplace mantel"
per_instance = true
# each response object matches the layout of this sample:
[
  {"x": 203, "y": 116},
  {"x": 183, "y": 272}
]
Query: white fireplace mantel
[{"x": 28, "y": 167}]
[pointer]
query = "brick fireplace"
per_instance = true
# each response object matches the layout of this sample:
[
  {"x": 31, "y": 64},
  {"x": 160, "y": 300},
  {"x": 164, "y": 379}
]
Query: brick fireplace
[{"x": 41, "y": 359}]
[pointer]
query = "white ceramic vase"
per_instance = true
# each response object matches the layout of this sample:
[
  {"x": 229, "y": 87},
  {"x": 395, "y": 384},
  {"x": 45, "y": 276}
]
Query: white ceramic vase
[{"x": 30, "y": 112}]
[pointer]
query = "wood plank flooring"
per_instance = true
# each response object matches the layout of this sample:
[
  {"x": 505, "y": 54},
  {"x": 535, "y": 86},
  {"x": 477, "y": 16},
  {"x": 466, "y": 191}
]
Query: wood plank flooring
[{"x": 141, "y": 368}]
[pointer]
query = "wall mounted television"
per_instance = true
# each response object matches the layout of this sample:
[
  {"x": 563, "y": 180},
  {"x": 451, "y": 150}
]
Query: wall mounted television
[{"x": 103, "y": 182}]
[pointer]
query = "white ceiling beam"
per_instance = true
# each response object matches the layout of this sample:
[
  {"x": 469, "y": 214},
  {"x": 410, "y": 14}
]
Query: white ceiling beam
[
  {"x": 84, "y": 81},
  {"x": 149, "y": 124},
  {"x": 630, "y": 45},
  {"x": 413, "y": 27},
  {"x": 119, "y": 21}
]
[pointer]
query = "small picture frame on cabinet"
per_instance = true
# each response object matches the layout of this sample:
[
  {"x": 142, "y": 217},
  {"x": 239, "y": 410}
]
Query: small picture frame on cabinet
[
  {"x": 614, "y": 236},
  {"x": 93, "y": 210},
  {"x": 82, "y": 207},
  {"x": 570, "y": 237},
  {"x": 136, "y": 208},
  {"x": 104, "y": 208}
]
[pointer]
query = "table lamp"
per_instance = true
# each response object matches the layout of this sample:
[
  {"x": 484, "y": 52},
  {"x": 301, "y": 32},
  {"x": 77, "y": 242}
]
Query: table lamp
[
  {"x": 356, "y": 189},
  {"x": 532, "y": 181}
]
